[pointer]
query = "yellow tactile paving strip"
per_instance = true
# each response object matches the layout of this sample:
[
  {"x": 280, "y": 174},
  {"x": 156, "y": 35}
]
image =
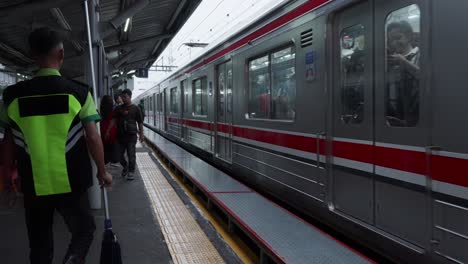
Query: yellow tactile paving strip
[{"x": 185, "y": 239}]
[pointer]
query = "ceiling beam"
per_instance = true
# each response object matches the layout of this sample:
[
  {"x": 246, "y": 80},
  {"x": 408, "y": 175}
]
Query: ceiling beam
[
  {"x": 15, "y": 53},
  {"x": 108, "y": 28},
  {"x": 19, "y": 11},
  {"x": 129, "y": 65},
  {"x": 138, "y": 42},
  {"x": 176, "y": 14},
  {"x": 62, "y": 21},
  {"x": 127, "y": 56}
]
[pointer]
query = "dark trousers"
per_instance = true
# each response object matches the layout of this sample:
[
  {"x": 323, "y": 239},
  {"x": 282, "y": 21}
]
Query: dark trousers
[
  {"x": 74, "y": 208},
  {"x": 128, "y": 145},
  {"x": 111, "y": 153}
]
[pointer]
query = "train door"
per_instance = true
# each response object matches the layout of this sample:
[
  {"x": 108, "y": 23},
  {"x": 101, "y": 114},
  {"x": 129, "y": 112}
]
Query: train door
[
  {"x": 380, "y": 133},
  {"x": 448, "y": 153},
  {"x": 352, "y": 133},
  {"x": 401, "y": 125},
  {"x": 155, "y": 109},
  {"x": 160, "y": 111},
  {"x": 165, "y": 109},
  {"x": 184, "y": 108},
  {"x": 223, "y": 125}
]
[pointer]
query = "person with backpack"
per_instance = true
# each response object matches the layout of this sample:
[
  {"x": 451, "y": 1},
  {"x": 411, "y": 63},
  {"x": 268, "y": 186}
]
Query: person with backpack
[{"x": 129, "y": 124}]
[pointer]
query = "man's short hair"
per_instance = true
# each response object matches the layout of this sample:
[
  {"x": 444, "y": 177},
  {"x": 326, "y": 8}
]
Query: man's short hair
[
  {"x": 404, "y": 27},
  {"x": 127, "y": 92},
  {"x": 43, "y": 40}
]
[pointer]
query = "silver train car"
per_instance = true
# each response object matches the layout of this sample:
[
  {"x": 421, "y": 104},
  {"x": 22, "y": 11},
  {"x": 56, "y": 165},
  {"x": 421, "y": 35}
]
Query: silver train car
[{"x": 353, "y": 112}]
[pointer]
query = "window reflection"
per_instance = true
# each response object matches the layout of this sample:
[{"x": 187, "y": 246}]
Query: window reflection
[
  {"x": 272, "y": 85},
  {"x": 403, "y": 67},
  {"x": 174, "y": 105},
  {"x": 259, "y": 88},
  {"x": 200, "y": 95},
  {"x": 353, "y": 74}
]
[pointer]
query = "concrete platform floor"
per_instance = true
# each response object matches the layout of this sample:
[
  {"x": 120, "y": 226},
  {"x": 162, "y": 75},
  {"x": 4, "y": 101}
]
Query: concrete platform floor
[{"x": 137, "y": 230}]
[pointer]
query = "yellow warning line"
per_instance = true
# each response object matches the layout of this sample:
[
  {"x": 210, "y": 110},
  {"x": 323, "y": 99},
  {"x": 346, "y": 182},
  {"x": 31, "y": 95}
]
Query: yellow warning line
[
  {"x": 245, "y": 254},
  {"x": 186, "y": 240}
]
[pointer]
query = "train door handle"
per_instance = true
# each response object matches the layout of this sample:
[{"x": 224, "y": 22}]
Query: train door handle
[
  {"x": 318, "y": 136},
  {"x": 430, "y": 149}
]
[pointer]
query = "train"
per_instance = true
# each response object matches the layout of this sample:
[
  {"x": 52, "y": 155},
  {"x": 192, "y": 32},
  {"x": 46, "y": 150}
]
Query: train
[{"x": 351, "y": 112}]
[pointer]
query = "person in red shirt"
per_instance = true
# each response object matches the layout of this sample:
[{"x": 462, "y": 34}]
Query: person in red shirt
[{"x": 109, "y": 130}]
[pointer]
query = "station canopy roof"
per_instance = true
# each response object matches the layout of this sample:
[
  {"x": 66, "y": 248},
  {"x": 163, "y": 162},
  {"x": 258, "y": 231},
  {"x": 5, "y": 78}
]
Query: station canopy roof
[{"x": 133, "y": 33}]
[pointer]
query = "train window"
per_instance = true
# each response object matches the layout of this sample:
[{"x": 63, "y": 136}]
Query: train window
[
  {"x": 272, "y": 85},
  {"x": 200, "y": 97},
  {"x": 353, "y": 73},
  {"x": 283, "y": 84},
  {"x": 229, "y": 92},
  {"x": 184, "y": 90},
  {"x": 160, "y": 105},
  {"x": 402, "y": 75},
  {"x": 259, "y": 87},
  {"x": 174, "y": 103}
]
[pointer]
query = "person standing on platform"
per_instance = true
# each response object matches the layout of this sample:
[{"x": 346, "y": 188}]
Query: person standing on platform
[
  {"x": 128, "y": 116},
  {"x": 118, "y": 100},
  {"x": 109, "y": 131},
  {"x": 53, "y": 120}
]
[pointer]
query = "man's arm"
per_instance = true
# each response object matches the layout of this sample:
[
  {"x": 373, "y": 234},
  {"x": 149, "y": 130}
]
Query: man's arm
[
  {"x": 139, "y": 120},
  {"x": 97, "y": 152},
  {"x": 140, "y": 127}
]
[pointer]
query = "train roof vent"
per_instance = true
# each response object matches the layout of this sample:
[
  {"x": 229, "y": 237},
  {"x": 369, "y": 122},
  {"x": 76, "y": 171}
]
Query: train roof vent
[{"x": 307, "y": 37}]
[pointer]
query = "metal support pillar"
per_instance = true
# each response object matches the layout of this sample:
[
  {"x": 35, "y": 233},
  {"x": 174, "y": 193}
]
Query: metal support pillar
[{"x": 94, "y": 191}]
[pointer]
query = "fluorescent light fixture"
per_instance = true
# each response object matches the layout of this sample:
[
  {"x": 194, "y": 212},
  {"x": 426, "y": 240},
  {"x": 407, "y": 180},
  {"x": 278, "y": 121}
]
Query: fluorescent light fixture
[
  {"x": 126, "y": 24},
  {"x": 413, "y": 16},
  {"x": 131, "y": 72}
]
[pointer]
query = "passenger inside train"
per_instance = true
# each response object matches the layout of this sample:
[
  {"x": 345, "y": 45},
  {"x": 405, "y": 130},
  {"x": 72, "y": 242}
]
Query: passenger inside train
[{"x": 402, "y": 74}]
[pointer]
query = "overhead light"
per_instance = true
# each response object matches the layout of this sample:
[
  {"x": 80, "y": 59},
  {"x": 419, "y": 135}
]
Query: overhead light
[
  {"x": 195, "y": 44},
  {"x": 113, "y": 55},
  {"x": 126, "y": 24},
  {"x": 413, "y": 16},
  {"x": 131, "y": 72}
]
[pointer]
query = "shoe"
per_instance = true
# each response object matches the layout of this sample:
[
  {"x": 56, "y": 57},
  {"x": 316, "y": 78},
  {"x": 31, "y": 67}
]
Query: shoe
[
  {"x": 130, "y": 176},
  {"x": 124, "y": 173}
]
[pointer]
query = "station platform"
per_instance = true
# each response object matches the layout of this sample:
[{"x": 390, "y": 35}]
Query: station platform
[
  {"x": 280, "y": 235},
  {"x": 152, "y": 224},
  {"x": 156, "y": 222}
]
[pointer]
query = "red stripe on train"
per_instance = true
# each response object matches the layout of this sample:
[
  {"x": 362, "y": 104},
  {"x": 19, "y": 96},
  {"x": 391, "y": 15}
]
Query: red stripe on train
[
  {"x": 284, "y": 140},
  {"x": 281, "y": 21},
  {"x": 444, "y": 169},
  {"x": 401, "y": 159},
  {"x": 353, "y": 151},
  {"x": 450, "y": 170}
]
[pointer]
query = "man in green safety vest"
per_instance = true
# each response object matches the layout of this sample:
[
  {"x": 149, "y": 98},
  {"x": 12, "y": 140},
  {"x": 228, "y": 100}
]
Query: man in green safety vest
[{"x": 52, "y": 120}]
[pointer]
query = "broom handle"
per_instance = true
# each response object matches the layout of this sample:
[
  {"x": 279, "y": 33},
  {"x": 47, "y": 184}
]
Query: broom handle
[{"x": 106, "y": 205}]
